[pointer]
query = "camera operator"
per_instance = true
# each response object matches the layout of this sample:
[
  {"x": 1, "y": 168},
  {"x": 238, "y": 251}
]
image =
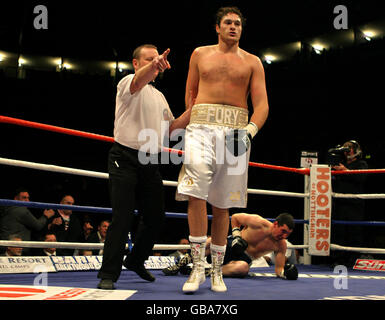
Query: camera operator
[{"x": 348, "y": 209}]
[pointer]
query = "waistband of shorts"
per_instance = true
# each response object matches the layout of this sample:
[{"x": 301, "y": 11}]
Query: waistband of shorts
[{"x": 220, "y": 114}]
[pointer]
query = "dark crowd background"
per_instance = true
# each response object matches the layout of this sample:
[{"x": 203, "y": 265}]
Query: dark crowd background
[{"x": 316, "y": 101}]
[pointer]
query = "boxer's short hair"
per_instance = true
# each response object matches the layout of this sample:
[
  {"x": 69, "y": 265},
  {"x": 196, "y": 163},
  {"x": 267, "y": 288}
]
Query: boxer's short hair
[
  {"x": 286, "y": 218},
  {"x": 226, "y": 10}
]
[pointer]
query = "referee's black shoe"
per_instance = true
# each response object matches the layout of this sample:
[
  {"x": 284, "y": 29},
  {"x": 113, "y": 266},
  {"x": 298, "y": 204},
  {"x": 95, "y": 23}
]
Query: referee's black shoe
[
  {"x": 139, "y": 269},
  {"x": 106, "y": 284}
]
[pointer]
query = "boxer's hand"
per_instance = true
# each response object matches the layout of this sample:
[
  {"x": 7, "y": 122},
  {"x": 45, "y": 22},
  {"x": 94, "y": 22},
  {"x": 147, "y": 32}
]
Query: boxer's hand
[
  {"x": 238, "y": 246},
  {"x": 290, "y": 272},
  {"x": 161, "y": 63},
  {"x": 238, "y": 142},
  {"x": 236, "y": 232}
]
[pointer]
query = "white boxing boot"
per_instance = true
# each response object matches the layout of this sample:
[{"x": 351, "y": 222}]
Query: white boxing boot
[
  {"x": 197, "y": 275},
  {"x": 217, "y": 257}
]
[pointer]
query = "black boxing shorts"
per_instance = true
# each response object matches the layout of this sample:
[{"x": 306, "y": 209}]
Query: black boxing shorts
[{"x": 229, "y": 256}]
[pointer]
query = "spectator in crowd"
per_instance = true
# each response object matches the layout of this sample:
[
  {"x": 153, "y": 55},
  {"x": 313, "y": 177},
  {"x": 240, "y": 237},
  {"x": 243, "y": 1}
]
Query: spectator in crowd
[
  {"x": 48, "y": 237},
  {"x": 97, "y": 237},
  {"x": 20, "y": 220},
  {"x": 156, "y": 253},
  {"x": 22, "y": 194},
  {"x": 66, "y": 226},
  {"x": 87, "y": 227},
  {"x": 13, "y": 251}
]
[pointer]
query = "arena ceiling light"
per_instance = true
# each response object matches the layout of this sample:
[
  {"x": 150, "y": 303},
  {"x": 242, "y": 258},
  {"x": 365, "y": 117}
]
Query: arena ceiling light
[
  {"x": 318, "y": 48},
  {"x": 21, "y": 61},
  {"x": 269, "y": 58},
  {"x": 368, "y": 34},
  {"x": 60, "y": 64}
]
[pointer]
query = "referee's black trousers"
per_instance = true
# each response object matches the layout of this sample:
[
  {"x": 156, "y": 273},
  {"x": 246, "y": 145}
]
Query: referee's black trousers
[{"x": 131, "y": 183}]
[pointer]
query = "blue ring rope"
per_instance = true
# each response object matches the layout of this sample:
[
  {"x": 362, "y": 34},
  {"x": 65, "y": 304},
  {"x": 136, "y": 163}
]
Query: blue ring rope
[{"x": 43, "y": 205}]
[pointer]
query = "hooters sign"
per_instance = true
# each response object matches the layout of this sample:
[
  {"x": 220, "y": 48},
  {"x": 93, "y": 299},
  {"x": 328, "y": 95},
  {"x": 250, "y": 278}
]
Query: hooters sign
[{"x": 320, "y": 210}]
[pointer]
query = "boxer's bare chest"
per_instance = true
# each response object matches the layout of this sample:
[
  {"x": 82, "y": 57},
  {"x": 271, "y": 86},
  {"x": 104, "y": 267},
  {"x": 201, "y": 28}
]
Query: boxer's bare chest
[
  {"x": 260, "y": 242},
  {"x": 219, "y": 67}
]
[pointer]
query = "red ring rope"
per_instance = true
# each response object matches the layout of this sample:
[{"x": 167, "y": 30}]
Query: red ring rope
[
  {"x": 36, "y": 125},
  {"x": 48, "y": 127}
]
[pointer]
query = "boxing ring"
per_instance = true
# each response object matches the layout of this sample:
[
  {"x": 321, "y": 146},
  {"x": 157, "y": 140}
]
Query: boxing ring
[{"x": 71, "y": 278}]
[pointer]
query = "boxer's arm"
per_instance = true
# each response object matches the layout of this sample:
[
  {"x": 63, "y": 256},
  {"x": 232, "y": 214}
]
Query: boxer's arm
[
  {"x": 279, "y": 264},
  {"x": 192, "y": 82},
  {"x": 258, "y": 94},
  {"x": 245, "y": 219},
  {"x": 280, "y": 259},
  {"x": 239, "y": 140},
  {"x": 149, "y": 72},
  {"x": 181, "y": 122}
]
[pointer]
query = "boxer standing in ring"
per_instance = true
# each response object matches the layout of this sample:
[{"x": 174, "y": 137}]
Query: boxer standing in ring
[{"x": 220, "y": 79}]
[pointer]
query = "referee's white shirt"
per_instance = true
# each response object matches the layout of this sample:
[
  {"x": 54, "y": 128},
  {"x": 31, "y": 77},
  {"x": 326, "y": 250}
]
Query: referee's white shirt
[{"x": 141, "y": 118}]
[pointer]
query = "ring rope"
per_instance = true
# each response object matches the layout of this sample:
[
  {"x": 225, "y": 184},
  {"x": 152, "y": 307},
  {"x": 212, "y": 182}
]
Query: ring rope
[
  {"x": 357, "y": 249},
  {"x": 42, "y": 205},
  {"x": 360, "y": 223},
  {"x": 56, "y": 129},
  {"x": 357, "y": 171},
  {"x": 96, "y": 246},
  {"x": 358, "y": 196},
  {"x": 94, "y": 174},
  {"x": 79, "y": 245}
]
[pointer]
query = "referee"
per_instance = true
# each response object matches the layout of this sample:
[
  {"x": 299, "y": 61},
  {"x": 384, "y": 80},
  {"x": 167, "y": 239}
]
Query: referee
[{"x": 141, "y": 111}]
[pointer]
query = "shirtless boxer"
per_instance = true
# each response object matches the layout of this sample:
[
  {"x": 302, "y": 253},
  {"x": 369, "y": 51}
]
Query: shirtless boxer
[
  {"x": 220, "y": 79},
  {"x": 257, "y": 238}
]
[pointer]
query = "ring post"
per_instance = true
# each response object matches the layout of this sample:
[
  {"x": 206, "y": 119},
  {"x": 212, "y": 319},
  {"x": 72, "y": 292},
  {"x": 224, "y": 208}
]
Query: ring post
[
  {"x": 320, "y": 210},
  {"x": 306, "y": 256},
  {"x": 307, "y": 160}
]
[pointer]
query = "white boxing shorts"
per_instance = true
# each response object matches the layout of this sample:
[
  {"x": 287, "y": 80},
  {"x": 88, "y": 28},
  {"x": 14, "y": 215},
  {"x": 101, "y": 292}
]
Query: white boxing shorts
[{"x": 210, "y": 171}]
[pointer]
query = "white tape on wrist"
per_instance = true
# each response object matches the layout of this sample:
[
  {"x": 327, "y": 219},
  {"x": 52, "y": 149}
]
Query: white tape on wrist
[
  {"x": 236, "y": 232},
  {"x": 252, "y": 129}
]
